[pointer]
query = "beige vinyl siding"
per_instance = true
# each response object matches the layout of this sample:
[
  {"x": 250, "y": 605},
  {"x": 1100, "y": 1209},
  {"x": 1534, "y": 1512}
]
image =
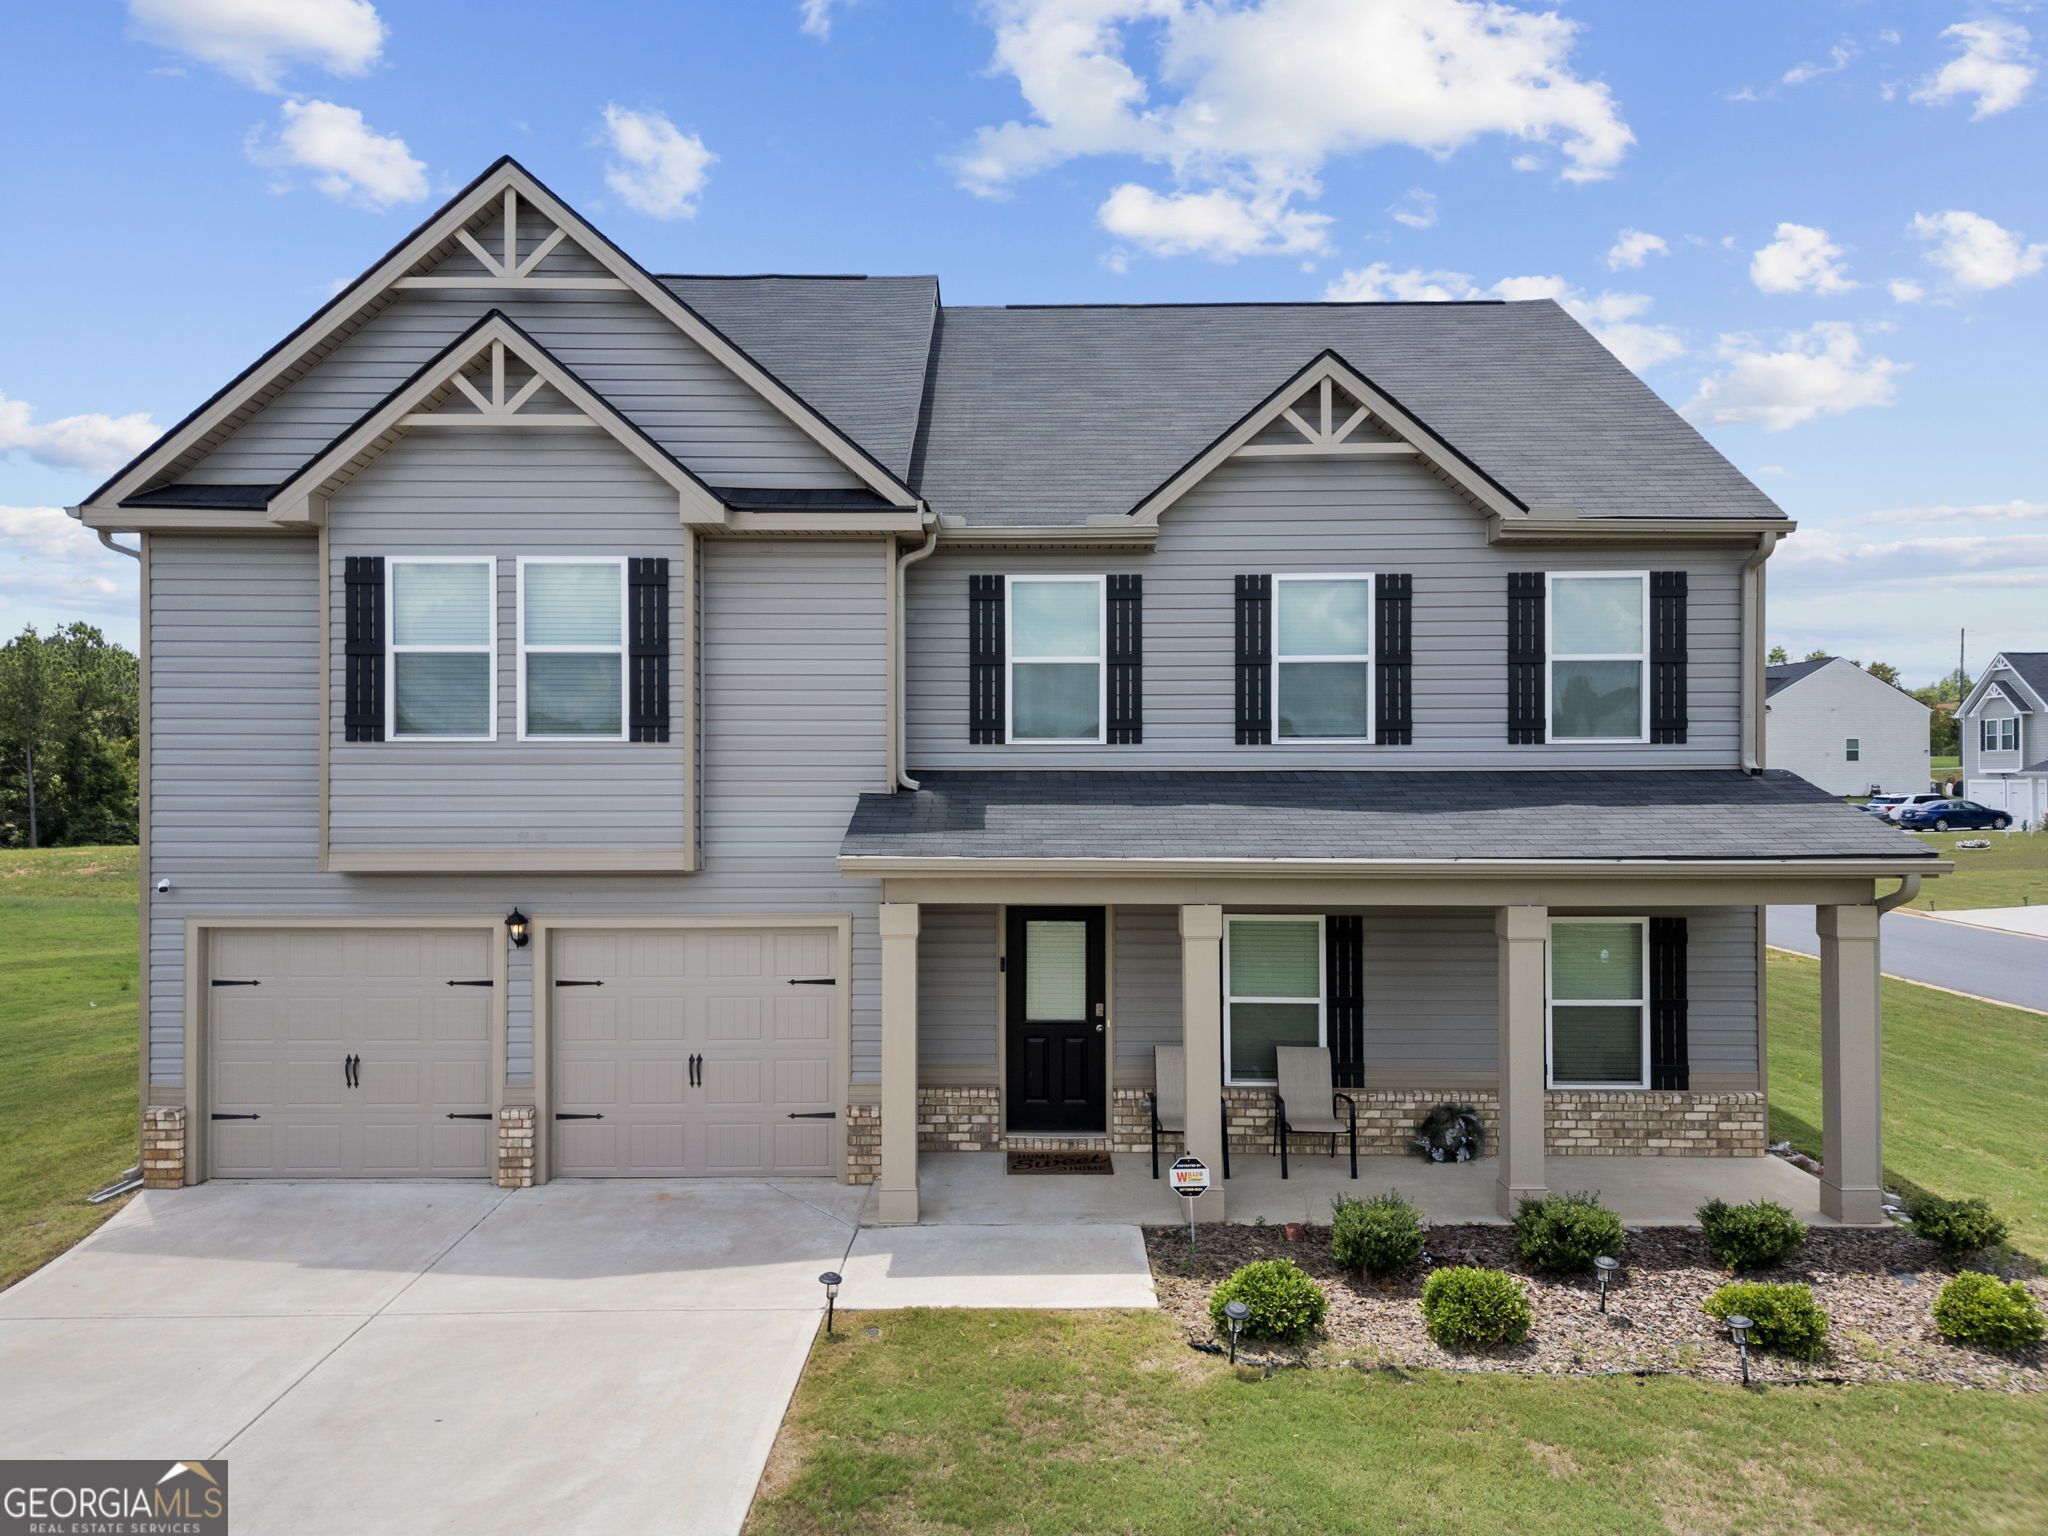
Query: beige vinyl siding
[{"x": 1309, "y": 515}]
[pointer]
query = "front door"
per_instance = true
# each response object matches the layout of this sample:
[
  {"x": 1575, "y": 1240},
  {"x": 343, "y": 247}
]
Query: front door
[{"x": 1058, "y": 1079}]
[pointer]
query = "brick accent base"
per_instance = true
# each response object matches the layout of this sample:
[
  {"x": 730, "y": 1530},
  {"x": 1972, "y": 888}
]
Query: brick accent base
[
  {"x": 863, "y": 1143},
  {"x": 163, "y": 1146},
  {"x": 512, "y": 1167},
  {"x": 1602, "y": 1123},
  {"x": 1386, "y": 1118}
]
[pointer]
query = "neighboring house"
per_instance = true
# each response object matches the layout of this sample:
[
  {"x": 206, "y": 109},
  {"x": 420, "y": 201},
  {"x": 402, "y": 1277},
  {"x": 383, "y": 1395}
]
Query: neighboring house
[
  {"x": 1838, "y": 727},
  {"x": 2004, "y": 728},
  {"x": 607, "y": 724}
]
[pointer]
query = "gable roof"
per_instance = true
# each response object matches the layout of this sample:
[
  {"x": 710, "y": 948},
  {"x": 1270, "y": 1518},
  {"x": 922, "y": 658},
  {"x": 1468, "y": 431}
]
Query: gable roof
[
  {"x": 2029, "y": 667},
  {"x": 1783, "y": 675}
]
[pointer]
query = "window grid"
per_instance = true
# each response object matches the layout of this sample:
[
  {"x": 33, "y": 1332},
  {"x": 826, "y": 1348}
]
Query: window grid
[
  {"x": 1231, "y": 999},
  {"x": 394, "y": 649},
  {"x": 1852, "y": 749},
  {"x": 1362, "y": 658},
  {"x": 1641, "y": 1001},
  {"x": 2000, "y": 736},
  {"x": 618, "y": 648},
  {"x": 1551, "y": 656},
  {"x": 1013, "y": 661}
]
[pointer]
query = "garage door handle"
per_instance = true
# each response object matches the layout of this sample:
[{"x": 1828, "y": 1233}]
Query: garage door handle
[
  {"x": 484, "y": 1116},
  {"x": 579, "y": 1117},
  {"x": 817, "y": 1114},
  {"x": 352, "y": 1071},
  {"x": 696, "y": 1065},
  {"x": 814, "y": 981},
  {"x": 234, "y": 1117}
]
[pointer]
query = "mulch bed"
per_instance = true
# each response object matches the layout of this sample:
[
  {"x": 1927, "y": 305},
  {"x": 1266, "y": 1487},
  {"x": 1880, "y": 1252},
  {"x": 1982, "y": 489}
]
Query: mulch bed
[{"x": 1878, "y": 1288}]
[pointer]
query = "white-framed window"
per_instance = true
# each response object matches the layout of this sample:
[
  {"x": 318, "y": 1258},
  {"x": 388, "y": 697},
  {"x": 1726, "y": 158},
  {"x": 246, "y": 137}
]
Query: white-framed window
[
  {"x": 1057, "y": 684},
  {"x": 1322, "y": 658},
  {"x": 1598, "y": 639},
  {"x": 2000, "y": 735},
  {"x": 1272, "y": 992},
  {"x": 572, "y": 648},
  {"x": 1597, "y": 1006},
  {"x": 1852, "y": 750},
  {"x": 443, "y": 657}
]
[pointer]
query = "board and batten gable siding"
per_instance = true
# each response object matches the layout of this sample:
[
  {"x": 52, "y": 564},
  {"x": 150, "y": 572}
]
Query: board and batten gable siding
[
  {"x": 658, "y": 378},
  {"x": 505, "y": 493},
  {"x": 1309, "y": 515},
  {"x": 236, "y": 700}
]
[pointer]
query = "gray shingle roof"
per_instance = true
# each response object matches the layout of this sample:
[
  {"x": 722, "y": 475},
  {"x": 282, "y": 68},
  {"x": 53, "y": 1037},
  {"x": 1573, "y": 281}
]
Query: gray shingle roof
[
  {"x": 1781, "y": 677},
  {"x": 2032, "y": 667},
  {"x": 1051, "y": 415},
  {"x": 1680, "y": 814}
]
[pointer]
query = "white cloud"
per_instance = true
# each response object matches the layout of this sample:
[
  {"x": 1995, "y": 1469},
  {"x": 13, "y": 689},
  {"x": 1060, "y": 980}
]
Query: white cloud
[
  {"x": 1222, "y": 225},
  {"x": 1251, "y": 100},
  {"x": 1823, "y": 549},
  {"x": 1975, "y": 252},
  {"x": 258, "y": 41},
  {"x": 1417, "y": 210},
  {"x": 349, "y": 162},
  {"x": 1634, "y": 246},
  {"x": 660, "y": 170},
  {"x": 96, "y": 443},
  {"x": 1613, "y": 317},
  {"x": 55, "y": 562},
  {"x": 1838, "y": 59},
  {"x": 814, "y": 17},
  {"x": 1905, "y": 290},
  {"x": 1993, "y": 64},
  {"x": 1820, "y": 371},
  {"x": 1800, "y": 260},
  {"x": 2014, "y": 511}
]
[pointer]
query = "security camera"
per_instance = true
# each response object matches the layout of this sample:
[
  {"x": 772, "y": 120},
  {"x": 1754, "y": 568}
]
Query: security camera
[{"x": 163, "y": 887}]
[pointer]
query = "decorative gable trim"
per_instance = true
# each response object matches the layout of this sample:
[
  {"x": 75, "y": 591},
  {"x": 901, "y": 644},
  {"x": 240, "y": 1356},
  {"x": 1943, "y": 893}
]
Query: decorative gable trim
[
  {"x": 301, "y": 501},
  {"x": 504, "y": 186},
  {"x": 2001, "y": 677},
  {"x": 1329, "y": 433}
]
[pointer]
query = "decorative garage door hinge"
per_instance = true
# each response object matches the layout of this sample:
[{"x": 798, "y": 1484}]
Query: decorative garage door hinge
[
  {"x": 484, "y": 1116},
  {"x": 817, "y": 1114},
  {"x": 234, "y": 1117},
  {"x": 579, "y": 1117},
  {"x": 472, "y": 983},
  {"x": 219, "y": 983},
  {"x": 561, "y": 983},
  {"x": 814, "y": 981}
]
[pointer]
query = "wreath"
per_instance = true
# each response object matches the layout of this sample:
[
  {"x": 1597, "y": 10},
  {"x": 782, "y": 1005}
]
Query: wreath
[{"x": 1451, "y": 1134}]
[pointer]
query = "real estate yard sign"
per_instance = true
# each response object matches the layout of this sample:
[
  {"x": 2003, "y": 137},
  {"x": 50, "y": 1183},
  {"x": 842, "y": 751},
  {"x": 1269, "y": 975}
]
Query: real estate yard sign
[{"x": 1190, "y": 1177}]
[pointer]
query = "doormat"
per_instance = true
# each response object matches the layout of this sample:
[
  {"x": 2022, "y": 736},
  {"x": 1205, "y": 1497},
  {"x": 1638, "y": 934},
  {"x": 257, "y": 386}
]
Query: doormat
[{"x": 1061, "y": 1162}]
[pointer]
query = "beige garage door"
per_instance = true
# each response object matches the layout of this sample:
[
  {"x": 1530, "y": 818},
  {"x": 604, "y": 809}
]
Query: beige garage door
[
  {"x": 348, "y": 1054},
  {"x": 683, "y": 1052}
]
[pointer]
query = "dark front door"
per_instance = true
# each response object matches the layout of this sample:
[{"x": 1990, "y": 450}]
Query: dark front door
[{"x": 1055, "y": 1018}]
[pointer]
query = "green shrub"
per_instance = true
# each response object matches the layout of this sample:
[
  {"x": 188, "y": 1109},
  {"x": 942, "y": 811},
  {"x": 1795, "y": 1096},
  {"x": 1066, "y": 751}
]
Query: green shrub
[
  {"x": 1958, "y": 1228},
  {"x": 1787, "y": 1317},
  {"x": 1754, "y": 1236},
  {"x": 1378, "y": 1236},
  {"x": 1477, "y": 1307},
  {"x": 1982, "y": 1309},
  {"x": 1567, "y": 1233},
  {"x": 1285, "y": 1304}
]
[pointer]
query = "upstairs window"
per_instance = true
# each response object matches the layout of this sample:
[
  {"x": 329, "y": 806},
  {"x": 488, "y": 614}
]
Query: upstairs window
[
  {"x": 1322, "y": 658},
  {"x": 1598, "y": 650},
  {"x": 1852, "y": 750},
  {"x": 2000, "y": 735},
  {"x": 572, "y": 671},
  {"x": 1599, "y": 1016},
  {"x": 1056, "y": 661},
  {"x": 443, "y": 649}
]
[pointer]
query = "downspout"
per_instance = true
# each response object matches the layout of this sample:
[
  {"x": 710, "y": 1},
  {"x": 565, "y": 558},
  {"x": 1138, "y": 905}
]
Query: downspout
[
  {"x": 1752, "y": 652},
  {"x": 107, "y": 539},
  {"x": 1909, "y": 887},
  {"x": 897, "y": 640}
]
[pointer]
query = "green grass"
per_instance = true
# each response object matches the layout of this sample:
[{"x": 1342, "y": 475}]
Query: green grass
[
  {"x": 2011, "y": 871},
  {"x": 1965, "y": 1084},
  {"x": 1944, "y": 764},
  {"x": 1087, "y": 1422},
  {"x": 67, "y": 1045}
]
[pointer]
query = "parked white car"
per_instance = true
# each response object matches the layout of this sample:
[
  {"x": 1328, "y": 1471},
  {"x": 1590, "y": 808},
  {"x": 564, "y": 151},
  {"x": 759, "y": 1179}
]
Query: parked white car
[{"x": 1902, "y": 802}]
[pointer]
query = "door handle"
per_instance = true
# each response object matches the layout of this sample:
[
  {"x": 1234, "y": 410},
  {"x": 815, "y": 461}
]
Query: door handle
[
  {"x": 1098, "y": 1029},
  {"x": 352, "y": 1071}
]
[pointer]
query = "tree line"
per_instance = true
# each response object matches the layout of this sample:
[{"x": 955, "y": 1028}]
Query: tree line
[
  {"x": 70, "y": 719},
  {"x": 1944, "y": 732}
]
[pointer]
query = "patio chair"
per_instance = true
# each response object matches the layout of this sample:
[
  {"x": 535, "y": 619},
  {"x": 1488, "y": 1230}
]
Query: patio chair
[
  {"x": 1169, "y": 1102},
  {"x": 1306, "y": 1084}
]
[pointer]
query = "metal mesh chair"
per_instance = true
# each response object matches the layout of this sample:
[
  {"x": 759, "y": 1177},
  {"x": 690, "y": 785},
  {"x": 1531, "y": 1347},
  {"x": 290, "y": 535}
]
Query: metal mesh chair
[{"x": 1306, "y": 1085}]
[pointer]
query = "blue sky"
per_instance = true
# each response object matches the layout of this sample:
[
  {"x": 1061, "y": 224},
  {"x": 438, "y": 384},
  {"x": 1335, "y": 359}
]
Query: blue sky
[{"x": 1821, "y": 229}]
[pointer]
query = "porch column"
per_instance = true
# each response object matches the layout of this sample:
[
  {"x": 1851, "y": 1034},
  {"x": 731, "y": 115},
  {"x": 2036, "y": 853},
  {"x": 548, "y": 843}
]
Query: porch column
[
  {"x": 1852, "y": 1097},
  {"x": 1522, "y": 934},
  {"x": 896, "y": 1196},
  {"x": 1201, "y": 1003}
]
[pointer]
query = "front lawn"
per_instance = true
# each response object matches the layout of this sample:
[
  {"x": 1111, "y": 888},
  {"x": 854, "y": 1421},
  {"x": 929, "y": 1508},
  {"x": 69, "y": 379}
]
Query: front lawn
[
  {"x": 1965, "y": 1086},
  {"x": 1083, "y": 1422},
  {"x": 67, "y": 1045},
  {"x": 2011, "y": 871}
]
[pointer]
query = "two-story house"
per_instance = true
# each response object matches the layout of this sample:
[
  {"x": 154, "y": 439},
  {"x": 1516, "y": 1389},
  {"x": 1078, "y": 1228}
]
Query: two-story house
[
  {"x": 1836, "y": 726},
  {"x": 2005, "y": 739},
  {"x": 611, "y": 724}
]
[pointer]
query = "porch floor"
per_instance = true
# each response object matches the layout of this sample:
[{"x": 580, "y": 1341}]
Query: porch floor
[{"x": 972, "y": 1189}]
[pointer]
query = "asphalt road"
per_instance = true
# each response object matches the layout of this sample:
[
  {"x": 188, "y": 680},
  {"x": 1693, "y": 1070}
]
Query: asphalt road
[{"x": 2010, "y": 967}]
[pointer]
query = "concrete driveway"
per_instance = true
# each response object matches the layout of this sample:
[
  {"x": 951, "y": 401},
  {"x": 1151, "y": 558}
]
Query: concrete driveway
[{"x": 584, "y": 1357}]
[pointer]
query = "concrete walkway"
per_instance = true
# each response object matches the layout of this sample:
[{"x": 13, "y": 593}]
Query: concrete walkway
[{"x": 2031, "y": 921}]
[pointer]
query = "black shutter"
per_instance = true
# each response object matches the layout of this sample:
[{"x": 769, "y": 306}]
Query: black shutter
[
  {"x": 1669, "y": 1066},
  {"x": 1126, "y": 660},
  {"x": 1667, "y": 657},
  {"x": 1393, "y": 605},
  {"x": 647, "y": 616},
  {"x": 1344, "y": 957},
  {"x": 362, "y": 712},
  {"x": 1527, "y": 718},
  {"x": 984, "y": 660},
  {"x": 1254, "y": 661}
]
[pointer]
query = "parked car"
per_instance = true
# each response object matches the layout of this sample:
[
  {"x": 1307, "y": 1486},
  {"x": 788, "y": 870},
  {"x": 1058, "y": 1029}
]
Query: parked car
[
  {"x": 1906, "y": 803},
  {"x": 1880, "y": 806},
  {"x": 1953, "y": 816}
]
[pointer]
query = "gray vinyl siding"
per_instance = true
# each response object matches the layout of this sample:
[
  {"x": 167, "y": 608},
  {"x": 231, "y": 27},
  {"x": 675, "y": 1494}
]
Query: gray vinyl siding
[
  {"x": 793, "y": 650},
  {"x": 1147, "y": 983},
  {"x": 1720, "y": 981},
  {"x": 506, "y": 494},
  {"x": 1309, "y": 515},
  {"x": 1431, "y": 1003},
  {"x": 681, "y": 396},
  {"x": 956, "y": 988}
]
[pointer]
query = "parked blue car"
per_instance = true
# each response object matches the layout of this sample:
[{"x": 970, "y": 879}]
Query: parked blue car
[{"x": 1953, "y": 816}]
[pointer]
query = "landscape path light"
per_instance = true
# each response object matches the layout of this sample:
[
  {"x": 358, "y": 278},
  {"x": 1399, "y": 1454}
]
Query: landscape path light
[
  {"x": 1605, "y": 1268},
  {"x": 1236, "y": 1312},
  {"x": 830, "y": 1280},
  {"x": 1739, "y": 1326}
]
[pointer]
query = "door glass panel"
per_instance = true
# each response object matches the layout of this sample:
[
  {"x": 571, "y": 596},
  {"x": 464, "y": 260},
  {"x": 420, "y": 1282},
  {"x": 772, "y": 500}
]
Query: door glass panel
[
  {"x": 1275, "y": 960},
  {"x": 1596, "y": 700},
  {"x": 1596, "y": 615},
  {"x": 1256, "y": 1029},
  {"x": 1055, "y": 970},
  {"x": 1594, "y": 960},
  {"x": 1596, "y": 1045}
]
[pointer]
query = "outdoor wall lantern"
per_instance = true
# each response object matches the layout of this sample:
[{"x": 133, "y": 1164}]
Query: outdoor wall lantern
[
  {"x": 830, "y": 1280},
  {"x": 516, "y": 925},
  {"x": 1739, "y": 1326},
  {"x": 1605, "y": 1268},
  {"x": 1236, "y": 1312}
]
